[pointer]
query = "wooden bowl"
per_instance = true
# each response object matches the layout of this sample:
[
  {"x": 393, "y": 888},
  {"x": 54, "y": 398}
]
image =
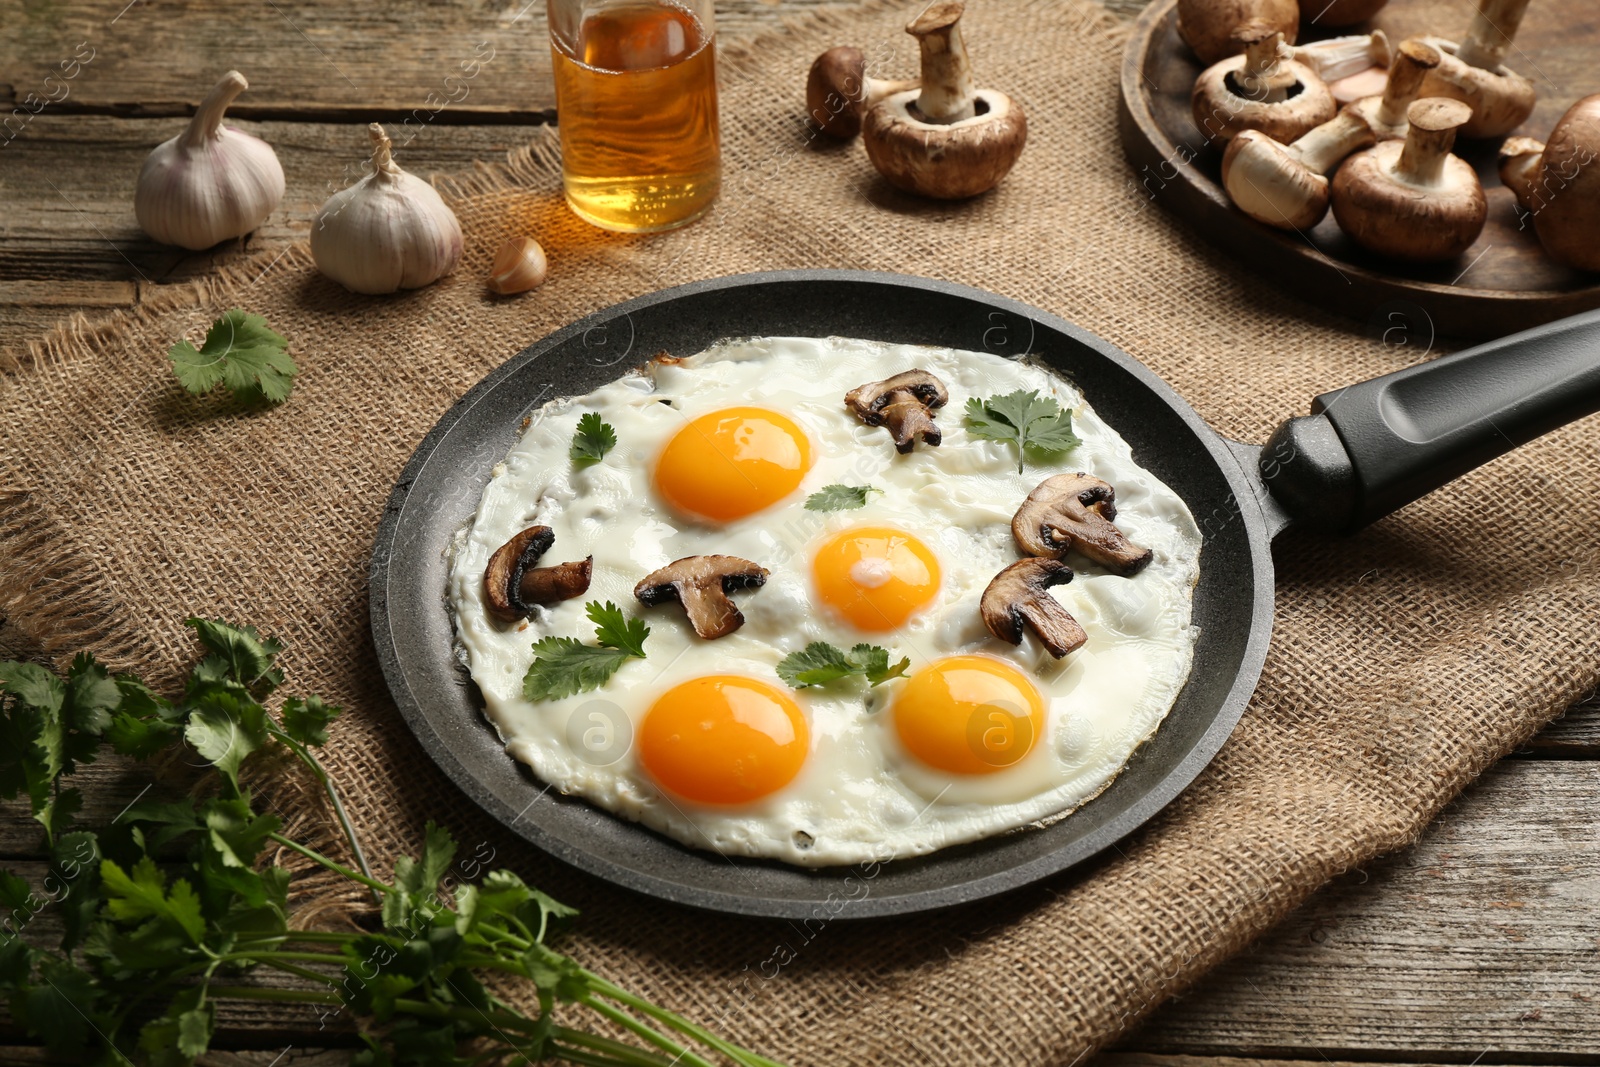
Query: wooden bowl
[{"x": 1502, "y": 284}]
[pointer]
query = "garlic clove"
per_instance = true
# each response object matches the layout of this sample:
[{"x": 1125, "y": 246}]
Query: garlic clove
[
  {"x": 211, "y": 182},
  {"x": 520, "y": 265},
  {"x": 390, "y": 230}
]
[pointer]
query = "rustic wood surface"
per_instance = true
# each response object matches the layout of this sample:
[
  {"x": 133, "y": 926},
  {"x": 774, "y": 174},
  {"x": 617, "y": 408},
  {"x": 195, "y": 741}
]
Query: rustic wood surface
[{"x": 1480, "y": 944}]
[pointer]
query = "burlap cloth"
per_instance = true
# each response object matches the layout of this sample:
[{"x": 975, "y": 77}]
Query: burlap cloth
[{"x": 1405, "y": 659}]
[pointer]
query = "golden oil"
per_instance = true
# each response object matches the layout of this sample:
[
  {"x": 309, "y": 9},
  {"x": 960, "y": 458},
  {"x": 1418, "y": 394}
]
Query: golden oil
[{"x": 636, "y": 102}]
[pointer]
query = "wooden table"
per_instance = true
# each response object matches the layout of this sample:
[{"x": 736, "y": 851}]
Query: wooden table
[{"x": 1480, "y": 944}]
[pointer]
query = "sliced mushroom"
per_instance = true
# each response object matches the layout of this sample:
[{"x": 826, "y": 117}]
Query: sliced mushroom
[
  {"x": 1020, "y": 595},
  {"x": 1263, "y": 89},
  {"x": 1076, "y": 511},
  {"x": 905, "y": 404},
  {"x": 947, "y": 140},
  {"x": 839, "y": 91},
  {"x": 512, "y": 585},
  {"x": 702, "y": 584},
  {"x": 1475, "y": 73}
]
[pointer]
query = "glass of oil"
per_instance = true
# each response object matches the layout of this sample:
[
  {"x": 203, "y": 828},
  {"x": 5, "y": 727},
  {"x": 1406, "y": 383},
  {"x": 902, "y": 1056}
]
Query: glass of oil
[{"x": 636, "y": 104}]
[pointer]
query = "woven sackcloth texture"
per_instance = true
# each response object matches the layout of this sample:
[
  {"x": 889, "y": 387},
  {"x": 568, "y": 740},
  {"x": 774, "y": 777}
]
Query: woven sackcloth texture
[{"x": 1405, "y": 660}]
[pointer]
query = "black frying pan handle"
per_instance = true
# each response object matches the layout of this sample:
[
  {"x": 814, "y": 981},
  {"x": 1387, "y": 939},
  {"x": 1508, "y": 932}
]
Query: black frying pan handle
[{"x": 1371, "y": 448}]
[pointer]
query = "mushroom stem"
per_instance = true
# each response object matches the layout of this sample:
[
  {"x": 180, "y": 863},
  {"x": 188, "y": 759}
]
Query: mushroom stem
[
  {"x": 1434, "y": 122},
  {"x": 1340, "y": 57},
  {"x": 208, "y": 116},
  {"x": 1263, "y": 77},
  {"x": 947, "y": 86},
  {"x": 1494, "y": 25},
  {"x": 1323, "y": 148},
  {"x": 1412, "y": 61},
  {"x": 1521, "y": 159}
]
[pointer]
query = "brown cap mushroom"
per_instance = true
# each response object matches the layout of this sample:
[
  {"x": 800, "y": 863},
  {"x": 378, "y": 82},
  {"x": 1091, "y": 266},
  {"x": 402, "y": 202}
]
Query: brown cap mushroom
[
  {"x": 512, "y": 585},
  {"x": 1076, "y": 511},
  {"x": 702, "y": 584},
  {"x": 1475, "y": 73},
  {"x": 946, "y": 140},
  {"x": 1019, "y": 595},
  {"x": 839, "y": 91},
  {"x": 905, "y": 404},
  {"x": 1386, "y": 114},
  {"x": 1207, "y": 26},
  {"x": 1261, "y": 90},
  {"x": 1285, "y": 185},
  {"x": 1559, "y": 183},
  {"x": 1412, "y": 200}
]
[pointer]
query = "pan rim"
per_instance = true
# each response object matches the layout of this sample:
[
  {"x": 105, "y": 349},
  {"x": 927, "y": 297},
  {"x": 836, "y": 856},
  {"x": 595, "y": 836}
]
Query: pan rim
[{"x": 1171, "y": 784}]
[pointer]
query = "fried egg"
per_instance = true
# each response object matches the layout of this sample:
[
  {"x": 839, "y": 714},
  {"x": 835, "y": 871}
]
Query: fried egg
[{"x": 701, "y": 740}]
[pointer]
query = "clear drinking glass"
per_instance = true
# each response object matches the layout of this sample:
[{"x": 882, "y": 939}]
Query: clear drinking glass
[{"x": 636, "y": 100}]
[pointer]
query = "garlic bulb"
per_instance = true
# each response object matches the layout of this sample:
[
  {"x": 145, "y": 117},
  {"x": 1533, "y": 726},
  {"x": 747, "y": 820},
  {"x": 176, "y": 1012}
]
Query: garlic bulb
[
  {"x": 388, "y": 231},
  {"x": 518, "y": 266},
  {"x": 211, "y": 182}
]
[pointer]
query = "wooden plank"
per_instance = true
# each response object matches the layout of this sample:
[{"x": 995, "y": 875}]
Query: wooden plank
[
  {"x": 478, "y": 62},
  {"x": 1479, "y": 940},
  {"x": 1576, "y": 735},
  {"x": 68, "y": 238}
]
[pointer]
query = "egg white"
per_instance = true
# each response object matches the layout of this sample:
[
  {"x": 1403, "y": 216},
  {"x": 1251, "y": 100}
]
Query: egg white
[{"x": 860, "y": 797}]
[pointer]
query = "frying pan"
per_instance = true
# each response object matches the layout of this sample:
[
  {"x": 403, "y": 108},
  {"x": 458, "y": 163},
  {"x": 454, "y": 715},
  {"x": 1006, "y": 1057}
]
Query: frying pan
[{"x": 1364, "y": 451}]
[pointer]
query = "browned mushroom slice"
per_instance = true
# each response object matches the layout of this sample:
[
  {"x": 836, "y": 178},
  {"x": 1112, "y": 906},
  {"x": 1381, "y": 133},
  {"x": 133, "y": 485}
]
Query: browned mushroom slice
[
  {"x": 905, "y": 404},
  {"x": 1020, "y": 595},
  {"x": 513, "y": 585},
  {"x": 1076, "y": 511},
  {"x": 702, "y": 584}
]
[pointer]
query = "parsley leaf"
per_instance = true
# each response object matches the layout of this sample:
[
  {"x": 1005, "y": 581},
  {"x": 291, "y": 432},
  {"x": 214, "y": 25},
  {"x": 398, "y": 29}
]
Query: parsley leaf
[
  {"x": 613, "y": 630},
  {"x": 1026, "y": 419},
  {"x": 594, "y": 439},
  {"x": 241, "y": 353},
  {"x": 820, "y": 663},
  {"x": 564, "y": 666},
  {"x": 840, "y": 497},
  {"x": 306, "y": 721}
]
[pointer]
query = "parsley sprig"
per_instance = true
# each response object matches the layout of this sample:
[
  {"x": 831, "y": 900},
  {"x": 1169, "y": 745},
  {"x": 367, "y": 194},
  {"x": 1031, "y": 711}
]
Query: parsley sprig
[
  {"x": 241, "y": 353},
  {"x": 564, "y": 666},
  {"x": 820, "y": 663},
  {"x": 840, "y": 497},
  {"x": 162, "y": 910},
  {"x": 1025, "y": 419},
  {"x": 595, "y": 437}
]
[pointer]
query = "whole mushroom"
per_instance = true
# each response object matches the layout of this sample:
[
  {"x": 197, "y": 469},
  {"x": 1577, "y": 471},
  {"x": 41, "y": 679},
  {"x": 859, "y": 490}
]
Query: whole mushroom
[
  {"x": 1263, "y": 89},
  {"x": 1475, "y": 73},
  {"x": 1207, "y": 26},
  {"x": 1558, "y": 183},
  {"x": 1412, "y": 200},
  {"x": 946, "y": 140},
  {"x": 1285, "y": 186},
  {"x": 839, "y": 91}
]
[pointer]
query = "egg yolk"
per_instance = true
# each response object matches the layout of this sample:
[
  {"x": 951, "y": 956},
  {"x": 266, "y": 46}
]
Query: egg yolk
[
  {"x": 969, "y": 715},
  {"x": 732, "y": 463},
  {"x": 876, "y": 577},
  {"x": 723, "y": 739}
]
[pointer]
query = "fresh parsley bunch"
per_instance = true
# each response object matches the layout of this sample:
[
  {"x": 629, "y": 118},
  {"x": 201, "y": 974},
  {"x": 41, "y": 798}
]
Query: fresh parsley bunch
[{"x": 172, "y": 909}]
